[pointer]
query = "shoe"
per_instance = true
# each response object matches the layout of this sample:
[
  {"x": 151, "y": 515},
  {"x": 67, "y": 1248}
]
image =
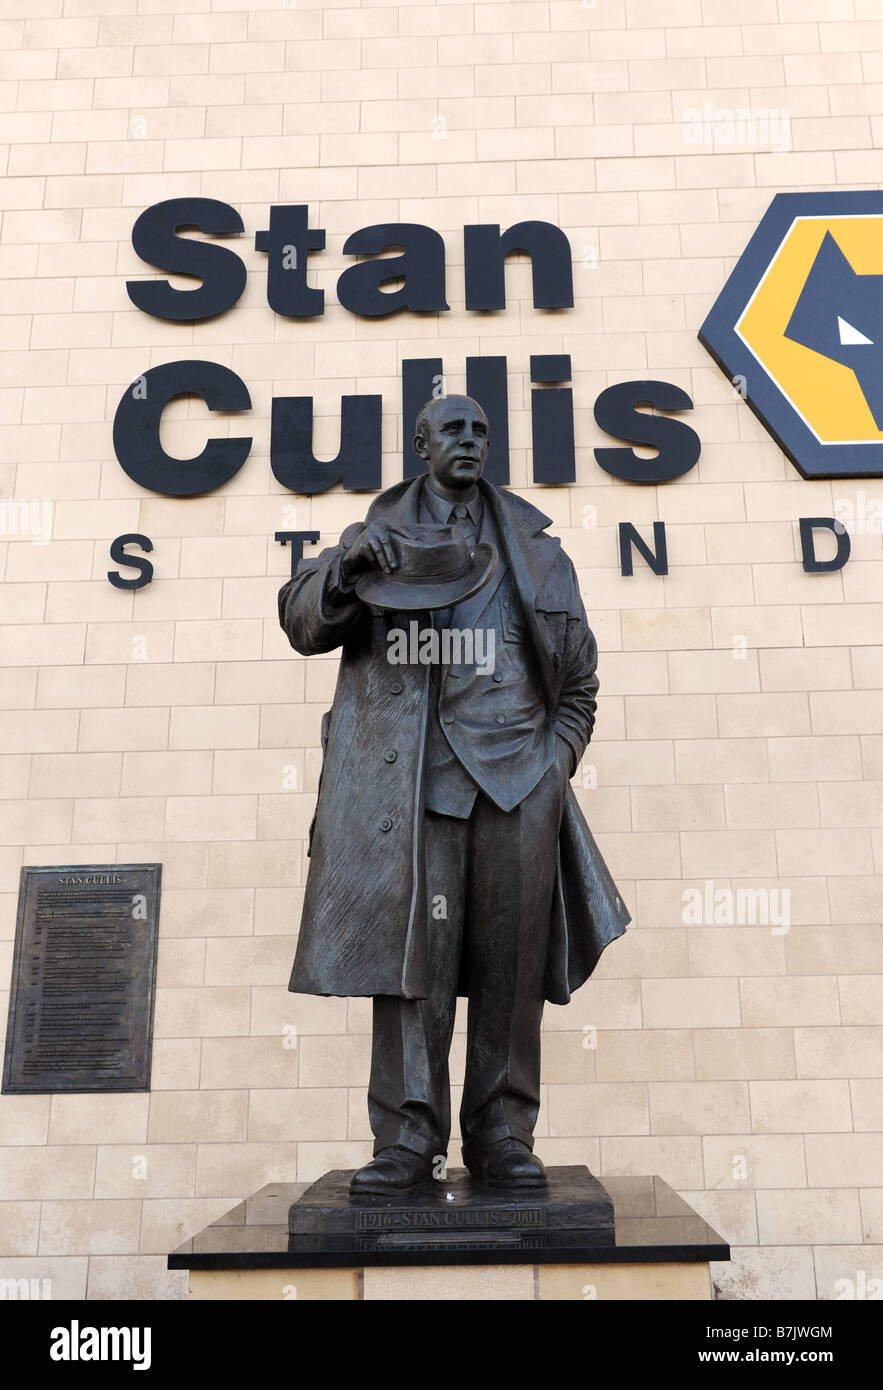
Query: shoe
[
  {"x": 393, "y": 1170},
  {"x": 508, "y": 1163}
]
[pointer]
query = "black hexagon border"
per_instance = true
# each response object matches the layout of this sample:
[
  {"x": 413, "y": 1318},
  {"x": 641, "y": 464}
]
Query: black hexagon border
[{"x": 718, "y": 336}]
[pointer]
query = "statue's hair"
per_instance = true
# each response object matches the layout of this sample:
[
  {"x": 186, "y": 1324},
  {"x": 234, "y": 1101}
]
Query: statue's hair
[{"x": 421, "y": 425}]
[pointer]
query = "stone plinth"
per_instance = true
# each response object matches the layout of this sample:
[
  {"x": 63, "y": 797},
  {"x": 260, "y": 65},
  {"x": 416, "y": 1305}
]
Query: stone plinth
[
  {"x": 458, "y": 1213},
  {"x": 656, "y": 1246}
]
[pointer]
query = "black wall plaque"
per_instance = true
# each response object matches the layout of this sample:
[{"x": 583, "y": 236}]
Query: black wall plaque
[{"x": 83, "y": 973}]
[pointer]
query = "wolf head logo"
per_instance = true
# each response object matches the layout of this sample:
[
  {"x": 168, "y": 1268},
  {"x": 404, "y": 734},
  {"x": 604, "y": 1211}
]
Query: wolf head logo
[{"x": 840, "y": 315}]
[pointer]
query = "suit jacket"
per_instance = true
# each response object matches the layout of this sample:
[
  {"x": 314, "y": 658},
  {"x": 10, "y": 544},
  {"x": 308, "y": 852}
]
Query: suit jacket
[
  {"x": 364, "y": 918},
  {"x": 487, "y": 729}
]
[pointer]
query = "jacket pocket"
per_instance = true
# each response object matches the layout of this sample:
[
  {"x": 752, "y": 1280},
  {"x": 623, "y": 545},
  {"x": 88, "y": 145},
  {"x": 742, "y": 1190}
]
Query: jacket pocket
[
  {"x": 554, "y": 626},
  {"x": 512, "y": 619},
  {"x": 326, "y": 720}
]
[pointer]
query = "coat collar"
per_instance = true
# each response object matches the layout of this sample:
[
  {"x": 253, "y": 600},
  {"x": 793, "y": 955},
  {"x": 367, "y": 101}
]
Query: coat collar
[{"x": 441, "y": 510}]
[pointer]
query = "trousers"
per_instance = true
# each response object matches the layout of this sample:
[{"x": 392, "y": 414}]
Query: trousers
[{"x": 489, "y": 885}]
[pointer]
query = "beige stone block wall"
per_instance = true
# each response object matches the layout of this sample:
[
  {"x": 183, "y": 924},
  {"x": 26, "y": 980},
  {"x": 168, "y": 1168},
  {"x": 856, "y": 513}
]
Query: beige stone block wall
[{"x": 739, "y": 746}]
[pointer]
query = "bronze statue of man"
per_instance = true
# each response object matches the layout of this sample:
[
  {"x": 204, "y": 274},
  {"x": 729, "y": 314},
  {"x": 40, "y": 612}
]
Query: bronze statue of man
[{"x": 448, "y": 853}]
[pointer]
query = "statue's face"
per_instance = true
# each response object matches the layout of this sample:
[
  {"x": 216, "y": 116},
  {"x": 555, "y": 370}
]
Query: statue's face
[{"x": 456, "y": 443}]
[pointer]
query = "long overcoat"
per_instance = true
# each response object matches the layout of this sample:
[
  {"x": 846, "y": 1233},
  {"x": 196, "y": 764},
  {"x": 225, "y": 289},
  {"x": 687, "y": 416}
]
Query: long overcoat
[{"x": 363, "y": 926}]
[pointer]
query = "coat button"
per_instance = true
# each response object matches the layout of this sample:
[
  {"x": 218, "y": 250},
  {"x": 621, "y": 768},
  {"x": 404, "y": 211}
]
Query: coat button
[
  {"x": 501, "y": 719},
  {"x": 497, "y": 677},
  {"x": 449, "y": 719},
  {"x": 390, "y": 755},
  {"x": 386, "y": 823},
  {"x": 396, "y": 687}
]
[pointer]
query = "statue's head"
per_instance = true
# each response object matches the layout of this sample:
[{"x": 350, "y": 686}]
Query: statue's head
[{"x": 451, "y": 435}]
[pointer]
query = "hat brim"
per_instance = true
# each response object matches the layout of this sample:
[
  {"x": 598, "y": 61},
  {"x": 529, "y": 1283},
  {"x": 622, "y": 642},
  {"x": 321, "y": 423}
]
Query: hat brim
[{"x": 386, "y": 591}]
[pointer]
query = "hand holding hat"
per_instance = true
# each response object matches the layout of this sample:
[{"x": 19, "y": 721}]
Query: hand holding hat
[
  {"x": 372, "y": 548},
  {"x": 416, "y": 567}
]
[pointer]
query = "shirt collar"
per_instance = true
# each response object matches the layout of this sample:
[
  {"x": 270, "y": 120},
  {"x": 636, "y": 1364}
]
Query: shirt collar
[{"x": 441, "y": 509}]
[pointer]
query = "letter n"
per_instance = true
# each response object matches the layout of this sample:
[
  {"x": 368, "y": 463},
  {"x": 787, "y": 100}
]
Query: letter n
[
  {"x": 486, "y": 249},
  {"x": 629, "y": 538}
]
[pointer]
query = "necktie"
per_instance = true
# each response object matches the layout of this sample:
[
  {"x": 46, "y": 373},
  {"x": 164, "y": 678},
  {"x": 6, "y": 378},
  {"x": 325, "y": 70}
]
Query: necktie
[{"x": 460, "y": 516}]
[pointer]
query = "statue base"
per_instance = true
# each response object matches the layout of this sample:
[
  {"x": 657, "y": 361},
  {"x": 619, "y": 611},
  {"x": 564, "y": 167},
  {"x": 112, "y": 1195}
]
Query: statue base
[
  {"x": 659, "y": 1248},
  {"x": 456, "y": 1214}
]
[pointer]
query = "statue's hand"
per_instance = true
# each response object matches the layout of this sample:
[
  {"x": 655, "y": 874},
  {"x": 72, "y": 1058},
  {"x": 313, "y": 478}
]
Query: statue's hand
[{"x": 372, "y": 549}]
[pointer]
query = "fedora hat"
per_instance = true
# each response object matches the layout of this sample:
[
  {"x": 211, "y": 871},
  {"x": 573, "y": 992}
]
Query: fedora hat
[{"x": 437, "y": 567}]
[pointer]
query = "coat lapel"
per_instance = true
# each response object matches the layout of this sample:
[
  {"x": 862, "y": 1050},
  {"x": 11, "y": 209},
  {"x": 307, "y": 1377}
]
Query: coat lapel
[
  {"x": 467, "y": 613},
  {"x": 531, "y": 554}
]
